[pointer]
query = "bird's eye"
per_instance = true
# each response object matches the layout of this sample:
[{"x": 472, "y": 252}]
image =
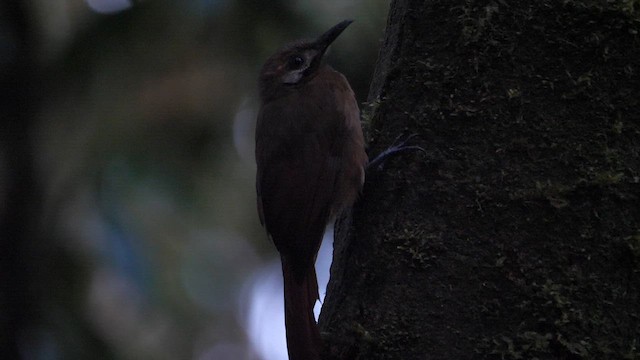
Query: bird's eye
[{"x": 296, "y": 62}]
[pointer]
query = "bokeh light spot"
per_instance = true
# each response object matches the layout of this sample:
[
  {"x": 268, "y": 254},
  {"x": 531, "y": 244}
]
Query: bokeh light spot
[{"x": 108, "y": 6}]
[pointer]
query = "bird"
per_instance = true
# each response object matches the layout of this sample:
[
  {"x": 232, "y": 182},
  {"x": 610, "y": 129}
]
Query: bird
[{"x": 311, "y": 161}]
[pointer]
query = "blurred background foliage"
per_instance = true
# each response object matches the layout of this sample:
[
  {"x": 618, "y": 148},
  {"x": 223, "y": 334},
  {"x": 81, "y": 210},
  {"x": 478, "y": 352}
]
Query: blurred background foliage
[{"x": 146, "y": 242}]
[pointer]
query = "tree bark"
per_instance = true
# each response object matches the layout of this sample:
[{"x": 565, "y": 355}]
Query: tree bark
[{"x": 517, "y": 235}]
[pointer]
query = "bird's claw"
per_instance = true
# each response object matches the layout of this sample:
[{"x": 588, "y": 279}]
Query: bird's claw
[{"x": 399, "y": 145}]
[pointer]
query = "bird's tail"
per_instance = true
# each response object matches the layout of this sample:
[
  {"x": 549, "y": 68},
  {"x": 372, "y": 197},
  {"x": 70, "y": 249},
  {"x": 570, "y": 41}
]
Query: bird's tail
[{"x": 300, "y": 295}]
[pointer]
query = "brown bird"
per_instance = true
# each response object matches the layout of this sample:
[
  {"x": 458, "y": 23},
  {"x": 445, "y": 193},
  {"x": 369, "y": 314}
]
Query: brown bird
[{"x": 311, "y": 163}]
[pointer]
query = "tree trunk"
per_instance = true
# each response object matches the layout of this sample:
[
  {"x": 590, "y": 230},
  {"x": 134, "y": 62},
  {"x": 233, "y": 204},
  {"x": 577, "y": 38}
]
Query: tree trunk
[{"x": 517, "y": 235}]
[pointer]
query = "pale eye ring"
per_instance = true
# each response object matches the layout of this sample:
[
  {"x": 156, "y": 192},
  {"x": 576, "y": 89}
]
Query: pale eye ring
[{"x": 296, "y": 62}]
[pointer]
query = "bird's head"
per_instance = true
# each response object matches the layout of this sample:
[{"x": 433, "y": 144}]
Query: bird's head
[{"x": 296, "y": 63}]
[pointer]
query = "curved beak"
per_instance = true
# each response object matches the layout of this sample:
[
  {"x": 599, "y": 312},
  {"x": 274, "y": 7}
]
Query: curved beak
[{"x": 323, "y": 42}]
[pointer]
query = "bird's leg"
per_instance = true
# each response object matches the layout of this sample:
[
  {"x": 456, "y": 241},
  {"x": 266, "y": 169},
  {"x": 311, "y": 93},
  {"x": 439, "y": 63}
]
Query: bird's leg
[{"x": 397, "y": 147}]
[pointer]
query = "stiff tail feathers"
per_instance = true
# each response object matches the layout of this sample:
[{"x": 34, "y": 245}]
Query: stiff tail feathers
[{"x": 300, "y": 295}]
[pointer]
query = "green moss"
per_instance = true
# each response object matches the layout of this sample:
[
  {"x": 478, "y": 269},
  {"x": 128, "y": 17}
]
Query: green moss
[
  {"x": 633, "y": 242},
  {"x": 558, "y": 332}
]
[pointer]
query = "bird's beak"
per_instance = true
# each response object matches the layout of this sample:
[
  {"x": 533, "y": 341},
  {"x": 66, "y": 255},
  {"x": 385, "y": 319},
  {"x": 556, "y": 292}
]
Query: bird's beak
[{"x": 323, "y": 42}]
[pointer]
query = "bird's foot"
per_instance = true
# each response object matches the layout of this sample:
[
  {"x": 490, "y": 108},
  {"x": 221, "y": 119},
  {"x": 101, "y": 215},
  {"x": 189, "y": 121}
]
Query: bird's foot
[{"x": 399, "y": 145}]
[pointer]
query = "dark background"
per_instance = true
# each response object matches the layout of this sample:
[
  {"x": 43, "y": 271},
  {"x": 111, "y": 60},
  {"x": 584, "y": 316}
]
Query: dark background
[{"x": 127, "y": 203}]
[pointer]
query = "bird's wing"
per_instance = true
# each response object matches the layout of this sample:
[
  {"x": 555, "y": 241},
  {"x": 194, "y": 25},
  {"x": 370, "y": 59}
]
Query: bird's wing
[{"x": 296, "y": 181}]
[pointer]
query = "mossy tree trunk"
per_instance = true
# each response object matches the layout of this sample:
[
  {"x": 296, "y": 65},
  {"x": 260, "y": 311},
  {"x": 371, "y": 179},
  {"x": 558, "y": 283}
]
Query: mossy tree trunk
[{"x": 517, "y": 236}]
